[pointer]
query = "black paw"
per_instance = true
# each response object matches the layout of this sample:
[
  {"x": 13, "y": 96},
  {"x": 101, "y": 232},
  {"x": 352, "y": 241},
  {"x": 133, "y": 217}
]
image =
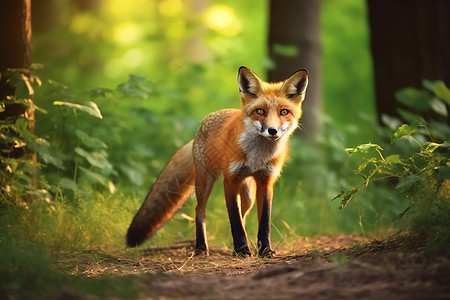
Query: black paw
[
  {"x": 266, "y": 253},
  {"x": 201, "y": 251},
  {"x": 242, "y": 252}
]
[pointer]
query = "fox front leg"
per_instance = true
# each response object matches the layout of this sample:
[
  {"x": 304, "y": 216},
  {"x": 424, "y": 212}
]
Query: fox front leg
[
  {"x": 231, "y": 188},
  {"x": 264, "y": 194}
]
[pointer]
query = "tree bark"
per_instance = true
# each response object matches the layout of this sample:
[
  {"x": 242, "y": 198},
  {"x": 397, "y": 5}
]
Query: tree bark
[
  {"x": 15, "y": 53},
  {"x": 410, "y": 41},
  {"x": 295, "y": 24},
  {"x": 15, "y": 34}
]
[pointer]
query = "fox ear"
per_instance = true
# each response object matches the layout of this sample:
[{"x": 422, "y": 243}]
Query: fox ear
[
  {"x": 249, "y": 83},
  {"x": 295, "y": 86}
]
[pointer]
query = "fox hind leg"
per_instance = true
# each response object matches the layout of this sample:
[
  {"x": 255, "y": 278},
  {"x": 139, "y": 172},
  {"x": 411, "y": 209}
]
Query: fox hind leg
[
  {"x": 203, "y": 187},
  {"x": 247, "y": 197}
]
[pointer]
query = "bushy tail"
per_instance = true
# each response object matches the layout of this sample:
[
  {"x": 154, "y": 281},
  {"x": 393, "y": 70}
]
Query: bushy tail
[{"x": 170, "y": 191}]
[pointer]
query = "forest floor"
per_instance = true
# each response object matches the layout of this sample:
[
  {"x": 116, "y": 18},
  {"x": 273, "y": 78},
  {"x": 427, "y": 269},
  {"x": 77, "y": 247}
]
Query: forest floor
[{"x": 339, "y": 267}]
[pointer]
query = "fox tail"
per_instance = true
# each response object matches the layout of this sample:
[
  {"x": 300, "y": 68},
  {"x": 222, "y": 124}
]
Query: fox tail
[{"x": 173, "y": 187}]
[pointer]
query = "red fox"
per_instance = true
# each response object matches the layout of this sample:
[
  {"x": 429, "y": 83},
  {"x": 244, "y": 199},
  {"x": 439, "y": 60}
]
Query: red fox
[{"x": 247, "y": 146}]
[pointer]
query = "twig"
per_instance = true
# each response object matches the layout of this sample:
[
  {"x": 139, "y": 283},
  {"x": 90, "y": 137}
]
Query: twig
[{"x": 188, "y": 259}]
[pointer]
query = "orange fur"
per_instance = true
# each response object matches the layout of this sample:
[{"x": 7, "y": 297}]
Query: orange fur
[{"x": 247, "y": 146}]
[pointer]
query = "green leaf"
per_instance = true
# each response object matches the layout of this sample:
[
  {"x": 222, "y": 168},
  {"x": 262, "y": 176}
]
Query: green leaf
[
  {"x": 393, "y": 159},
  {"x": 94, "y": 177},
  {"x": 21, "y": 126},
  {"x": 131, "y": 91},
  {"x": 136, "y": 79},
  {"x": 42, "y": 148},
  {"x": 416, "y": 98},
  {"x": 362, "y": 166},
  {"x": 96, "y": 159},
  {"x": 90, "y": 107},
  {"x": 135, "y": 87},
  {"x": 90, "y": 141},
  {"x": 99, "y": 92},
  {"x": 430, "y": 147},
  {"x": 68, "y": 184},
  {"x": 409, "y": 116},
  {"x": 57, "y": 85},
  {"x": 406, "y": 130},
  {"x": 391, "y": 122},
  {"x": 134, "y": 172},
  {"x": 365, "y": 148},
  {"x": 346, "y": 197},
  {"x": 438, "y": 88},
  {"x": 439, "y": 130},
  {"x": 21, "y": 82},
  {"x": 409, "y": 180},
  {"x": 350, "y": 151},
  {"x": 24, "y": 90},
  {"x": 439, "y": 107},
  {"x": 428, "y": 84}
]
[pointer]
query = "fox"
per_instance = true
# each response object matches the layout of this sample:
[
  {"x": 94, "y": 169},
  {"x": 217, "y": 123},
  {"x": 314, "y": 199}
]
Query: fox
[{"x": 247, "y": 146}]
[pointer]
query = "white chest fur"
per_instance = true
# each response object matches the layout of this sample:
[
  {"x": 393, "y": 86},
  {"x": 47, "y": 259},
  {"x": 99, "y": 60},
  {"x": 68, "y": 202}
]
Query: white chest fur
[{"x": 259, "y": 152}]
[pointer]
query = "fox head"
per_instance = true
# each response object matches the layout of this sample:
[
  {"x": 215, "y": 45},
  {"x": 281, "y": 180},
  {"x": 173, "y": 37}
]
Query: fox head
[{"x": 272, "y": 109}]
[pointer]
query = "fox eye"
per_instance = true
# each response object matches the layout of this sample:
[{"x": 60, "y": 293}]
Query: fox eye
[
  {"x": 284, "y": 112},
  {"x": 260, "y": 111}
]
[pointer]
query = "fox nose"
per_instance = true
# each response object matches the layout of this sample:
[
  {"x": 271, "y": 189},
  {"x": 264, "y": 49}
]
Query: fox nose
[{"x": 272, "y": 131}]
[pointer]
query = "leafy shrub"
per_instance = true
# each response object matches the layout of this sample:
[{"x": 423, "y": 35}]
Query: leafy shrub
[
  {"x": 421, "y": 174},
  {"x": 17, "y": 164},
  {"x": 96, "y": 142}
]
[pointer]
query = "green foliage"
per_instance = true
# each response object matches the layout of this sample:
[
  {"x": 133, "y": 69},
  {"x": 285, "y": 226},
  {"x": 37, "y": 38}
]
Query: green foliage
[
  {"x": 420, "y": 175},
  {"x": 82, "y": 146},
  {"x": 17, "y": 169}
]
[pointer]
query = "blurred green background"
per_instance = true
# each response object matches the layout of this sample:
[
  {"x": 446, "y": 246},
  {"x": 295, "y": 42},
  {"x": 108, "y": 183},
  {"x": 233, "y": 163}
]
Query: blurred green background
[{"x": 190, "y": 45}]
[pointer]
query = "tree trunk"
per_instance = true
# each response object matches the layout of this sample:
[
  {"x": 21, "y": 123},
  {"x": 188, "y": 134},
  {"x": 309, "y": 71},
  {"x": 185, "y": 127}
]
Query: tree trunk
[
  {"x": 15, "y": 53},
  {"x": 294, "y": 43},
  {"x": 15, "y": 34},
  {"x": 410, "y": 41}
]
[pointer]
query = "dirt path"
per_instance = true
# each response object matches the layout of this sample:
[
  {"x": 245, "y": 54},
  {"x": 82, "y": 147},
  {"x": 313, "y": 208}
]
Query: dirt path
[{"x": 342, "y": 267}]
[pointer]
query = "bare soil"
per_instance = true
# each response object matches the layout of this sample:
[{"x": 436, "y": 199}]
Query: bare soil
[{"x": 339, "y": 267}]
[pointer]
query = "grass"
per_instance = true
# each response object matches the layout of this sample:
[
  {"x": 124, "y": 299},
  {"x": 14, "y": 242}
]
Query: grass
[{"x": 36, "y": 239}]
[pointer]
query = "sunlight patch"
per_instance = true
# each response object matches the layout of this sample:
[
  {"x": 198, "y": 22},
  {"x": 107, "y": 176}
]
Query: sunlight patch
[
  {"x": 133, "y": 58},
  {"x": 127, "y": 33},
  {"x": 222, "y": 19}
]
